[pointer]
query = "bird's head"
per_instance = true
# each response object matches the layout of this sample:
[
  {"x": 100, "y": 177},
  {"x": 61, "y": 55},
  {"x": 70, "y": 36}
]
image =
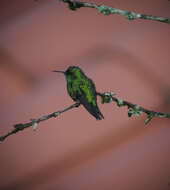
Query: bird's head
[{"x": 72, "y": 72}]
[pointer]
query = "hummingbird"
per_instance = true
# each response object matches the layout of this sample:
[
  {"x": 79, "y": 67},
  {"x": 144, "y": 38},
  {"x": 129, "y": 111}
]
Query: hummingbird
[{"x": 82, "y": 89}]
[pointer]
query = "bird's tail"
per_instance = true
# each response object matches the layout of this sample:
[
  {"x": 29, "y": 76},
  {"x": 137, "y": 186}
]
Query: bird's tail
[
  {"x": 93, "y": 110},
  {"x": 96, "y": 113}
]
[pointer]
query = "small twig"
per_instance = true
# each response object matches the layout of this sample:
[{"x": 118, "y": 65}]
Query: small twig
[
  {"x": 20, "y": 126},
  {"x": 130, "y": 15},
  {"x": 133, "y": 109}
]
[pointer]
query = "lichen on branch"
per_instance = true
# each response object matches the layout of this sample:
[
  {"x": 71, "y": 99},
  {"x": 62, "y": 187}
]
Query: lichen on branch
[
  {"x": 34, "y": 122},
  {"x": 133, "y": 109},
  {"x": 107, "y": 97},
  {"x": 106, "y": 10}
]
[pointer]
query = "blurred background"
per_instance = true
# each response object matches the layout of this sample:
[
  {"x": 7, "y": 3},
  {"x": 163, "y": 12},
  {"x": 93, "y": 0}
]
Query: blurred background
[{"x": 74, "y": 151}]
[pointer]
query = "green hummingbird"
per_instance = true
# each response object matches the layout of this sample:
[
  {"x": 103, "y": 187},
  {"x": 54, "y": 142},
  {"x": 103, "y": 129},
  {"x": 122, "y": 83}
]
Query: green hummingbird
[{"x": 82, "y": 90}]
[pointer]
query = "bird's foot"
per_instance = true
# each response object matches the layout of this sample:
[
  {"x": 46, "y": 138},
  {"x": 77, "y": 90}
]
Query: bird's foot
[{"x": 77, "y": 104}]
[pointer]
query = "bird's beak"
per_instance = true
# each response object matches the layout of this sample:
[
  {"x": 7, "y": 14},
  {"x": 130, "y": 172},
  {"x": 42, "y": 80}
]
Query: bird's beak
[{"x": 59, "y": 72}]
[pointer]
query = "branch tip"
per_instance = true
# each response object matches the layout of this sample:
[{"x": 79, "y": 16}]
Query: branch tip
[{"x": 106, "y": 10}]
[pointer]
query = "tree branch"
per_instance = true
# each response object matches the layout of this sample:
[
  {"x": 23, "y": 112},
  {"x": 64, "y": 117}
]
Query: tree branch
[
  {"x": 34, "y": 122},
  {"x": 133, "y": 109},
  {"x": 75, "y": 4}
]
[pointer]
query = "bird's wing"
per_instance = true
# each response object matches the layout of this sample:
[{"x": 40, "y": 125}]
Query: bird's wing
[
  {"x": 87, "y": 89},
  {"x": 89, "y": 101}
]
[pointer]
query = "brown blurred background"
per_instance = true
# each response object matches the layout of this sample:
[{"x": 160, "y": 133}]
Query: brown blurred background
[{"x": 74, "y": 151}]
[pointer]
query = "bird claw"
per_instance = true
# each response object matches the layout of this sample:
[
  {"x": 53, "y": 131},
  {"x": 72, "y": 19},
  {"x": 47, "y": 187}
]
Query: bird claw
[{"x": 77, "y": 104}]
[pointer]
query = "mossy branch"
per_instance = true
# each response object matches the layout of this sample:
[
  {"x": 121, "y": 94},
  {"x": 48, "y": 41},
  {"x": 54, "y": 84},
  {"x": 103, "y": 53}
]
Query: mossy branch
[
  {"x": 34, "y": 122},
  {"x": 106, "y": 10},
  {"x": 133, "y": 109}
]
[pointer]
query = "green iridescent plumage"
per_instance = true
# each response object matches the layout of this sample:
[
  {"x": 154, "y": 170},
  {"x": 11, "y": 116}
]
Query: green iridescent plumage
[{"x": 82, "y": 89}]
